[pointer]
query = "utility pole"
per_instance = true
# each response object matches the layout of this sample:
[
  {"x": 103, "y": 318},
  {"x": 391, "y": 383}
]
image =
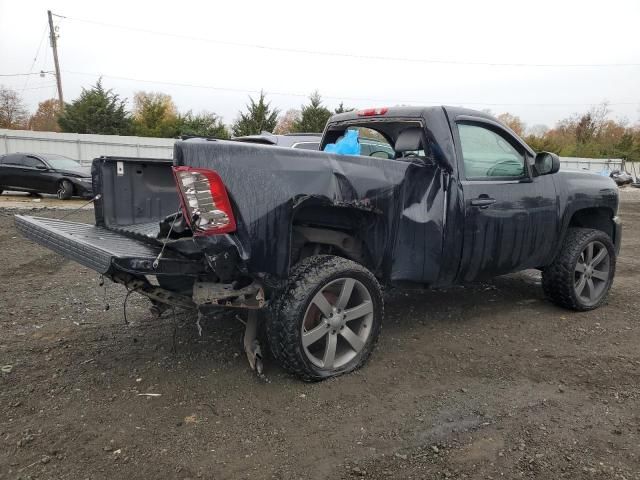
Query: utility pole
[{"x": 54, "y": 47}]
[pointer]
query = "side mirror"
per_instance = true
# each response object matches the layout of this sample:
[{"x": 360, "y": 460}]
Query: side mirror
[
  {"x": 546, "y": 163},
  {"x": 42, "y": 167}
]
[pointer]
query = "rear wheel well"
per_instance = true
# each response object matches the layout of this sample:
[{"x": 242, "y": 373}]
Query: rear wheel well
[
  {"x": 598, "y": 218},
  {"x": 310, "y": 240},
  {"x": 330, "y": 230}
]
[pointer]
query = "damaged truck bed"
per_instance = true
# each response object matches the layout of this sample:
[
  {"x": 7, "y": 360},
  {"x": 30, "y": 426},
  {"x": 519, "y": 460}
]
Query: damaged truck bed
[{"x": 313, "y": 236}]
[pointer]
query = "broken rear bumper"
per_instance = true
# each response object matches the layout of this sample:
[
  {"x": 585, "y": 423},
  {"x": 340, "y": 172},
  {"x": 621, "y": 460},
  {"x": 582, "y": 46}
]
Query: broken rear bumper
[{"x": 128, "y": 260}]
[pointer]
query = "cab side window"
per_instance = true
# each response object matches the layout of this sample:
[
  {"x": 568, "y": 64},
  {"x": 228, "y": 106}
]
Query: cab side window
[
  {"x": 13, "y": 159},
  {"x": 32, "y": 162},
  {"x": 487, "y": 154}
]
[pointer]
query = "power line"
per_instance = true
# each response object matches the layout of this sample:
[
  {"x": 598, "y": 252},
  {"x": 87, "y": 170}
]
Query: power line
[
  {"x": 35, "y": 58},
  {"x": 354, "y": 99},
  {"x": 23, "y": 74},
  {"x": 347, "y": 55},
  {"x": 19, "y": 74},
  {"x": 40, "y": 87},
  {"x": 43, "y": 80}
]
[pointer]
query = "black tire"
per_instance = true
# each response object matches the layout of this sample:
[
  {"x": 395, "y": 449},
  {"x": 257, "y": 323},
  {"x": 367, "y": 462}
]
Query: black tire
[
  {"x": 311, "y": 277},
  {"x": 65, "y": 190},
  {"x": 561, "y": 279}
]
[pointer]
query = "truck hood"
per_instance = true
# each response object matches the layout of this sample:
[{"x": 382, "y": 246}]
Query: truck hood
[
  {"x": 583, "y": 189},
  {"x": 590, "y": 178}
]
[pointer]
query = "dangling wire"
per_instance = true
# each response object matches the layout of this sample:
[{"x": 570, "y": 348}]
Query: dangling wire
[
  {"x": 198, "y": 323},
  {"x": 124, "y": 306},
  {"x": 175, "y": 330},
  {"x": 102, "y": 284},
  {"x": 97, "y": 197},
  {"x": 156, "y": 262}
]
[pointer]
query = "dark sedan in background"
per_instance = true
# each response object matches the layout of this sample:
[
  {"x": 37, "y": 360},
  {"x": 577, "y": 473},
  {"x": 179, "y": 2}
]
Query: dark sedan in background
[
  {"x": 307, "y": 141},
  {"x": 45, "y": 173}
]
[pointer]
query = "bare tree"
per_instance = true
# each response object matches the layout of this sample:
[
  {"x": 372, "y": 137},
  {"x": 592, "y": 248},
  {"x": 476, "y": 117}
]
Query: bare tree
[
  {"x": 538, "y": 130},
  {"x": 590, "y": 124},
  {"x": 13, "y": 113},
  {"x": 46, "y": 117},
  {"x": 286, "y": 122},
  {"x": 513, "y": 122}
]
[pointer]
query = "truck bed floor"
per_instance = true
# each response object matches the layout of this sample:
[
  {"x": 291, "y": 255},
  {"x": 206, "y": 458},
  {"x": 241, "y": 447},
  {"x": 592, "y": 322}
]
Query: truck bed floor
[{"x": 148, "y": 230}]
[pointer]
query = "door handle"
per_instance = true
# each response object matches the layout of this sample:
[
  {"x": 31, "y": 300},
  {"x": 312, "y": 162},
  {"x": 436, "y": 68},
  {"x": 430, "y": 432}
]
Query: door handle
[{"x": 482, "y": 201}]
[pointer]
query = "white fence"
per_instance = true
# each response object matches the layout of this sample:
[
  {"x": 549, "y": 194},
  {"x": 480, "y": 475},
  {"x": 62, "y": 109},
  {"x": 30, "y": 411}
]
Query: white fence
[
  {"x": 597, "y": 165},
  {"x": 87, "y": 147},
  {"x": 84, "y": 147}
]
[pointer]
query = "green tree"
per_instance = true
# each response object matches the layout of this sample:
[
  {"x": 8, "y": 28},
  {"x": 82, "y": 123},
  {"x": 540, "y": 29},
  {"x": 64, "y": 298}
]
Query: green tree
[
  {"x": 96, "y": 111},
  {"x": 314, "y": 116},
  {"x": 259, "y": 117},
  {"x": 342, "y": 109},
  {"x": 155, "y": 115},
  {"x": 203, "y": 124},
  {"x": 13, "y": 113}
]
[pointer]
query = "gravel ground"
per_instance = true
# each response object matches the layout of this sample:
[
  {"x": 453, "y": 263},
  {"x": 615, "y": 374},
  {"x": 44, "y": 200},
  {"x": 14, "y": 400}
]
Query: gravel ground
[
  {"x": 24, "y": 201},
  {"x": 485, "y": 381}
]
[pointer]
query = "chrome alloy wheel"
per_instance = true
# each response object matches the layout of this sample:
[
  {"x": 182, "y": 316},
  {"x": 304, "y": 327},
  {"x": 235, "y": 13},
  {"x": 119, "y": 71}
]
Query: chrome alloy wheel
[
  {"x": 591, "y": 279},
  {"x": 337, "y": 323}
]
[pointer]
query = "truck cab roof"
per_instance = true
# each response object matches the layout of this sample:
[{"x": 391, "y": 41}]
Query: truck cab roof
[{"x": 405, "y": 112}]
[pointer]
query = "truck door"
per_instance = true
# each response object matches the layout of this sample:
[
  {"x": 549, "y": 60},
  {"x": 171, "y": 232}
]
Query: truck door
[{"x": 510, "y": 217}]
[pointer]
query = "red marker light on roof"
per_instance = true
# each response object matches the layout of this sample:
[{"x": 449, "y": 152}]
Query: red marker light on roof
[
  {"x": 204, "y": 200},
  {"x": 371, "y": 112}
]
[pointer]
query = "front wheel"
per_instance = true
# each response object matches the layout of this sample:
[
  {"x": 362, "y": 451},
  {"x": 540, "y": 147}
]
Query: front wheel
[
  {"x": 581, "y": 275},
  {"x": 328, "y": 320},
  {"x": 65, "y": 190}
]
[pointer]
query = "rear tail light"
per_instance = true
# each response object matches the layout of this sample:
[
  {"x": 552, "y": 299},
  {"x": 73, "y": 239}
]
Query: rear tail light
[
  {"x": 372, "y": 112},
  {"x": 204, "y": 200}
]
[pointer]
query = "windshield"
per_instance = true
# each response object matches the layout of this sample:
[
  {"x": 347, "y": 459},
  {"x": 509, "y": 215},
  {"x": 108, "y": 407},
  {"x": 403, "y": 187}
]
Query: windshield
[{"x": 58, "y": 161}]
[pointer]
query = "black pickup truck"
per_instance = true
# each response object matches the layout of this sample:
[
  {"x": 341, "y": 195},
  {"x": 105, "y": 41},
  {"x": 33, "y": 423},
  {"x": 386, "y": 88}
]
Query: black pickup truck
[{"x": 311, "y": 238}]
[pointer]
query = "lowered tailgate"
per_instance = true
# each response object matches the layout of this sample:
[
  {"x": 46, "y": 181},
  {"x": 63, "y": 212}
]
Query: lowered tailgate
[{"x": 91, "y": 246}]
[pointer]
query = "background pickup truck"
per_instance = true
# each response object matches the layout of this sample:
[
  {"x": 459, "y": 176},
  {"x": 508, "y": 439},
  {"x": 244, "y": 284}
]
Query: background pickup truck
[{"x": 309, "y": 237}]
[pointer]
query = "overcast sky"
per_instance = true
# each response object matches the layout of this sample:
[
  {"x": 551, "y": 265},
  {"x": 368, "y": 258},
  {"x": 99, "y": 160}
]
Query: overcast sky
[{"x": 225, "y": 54}]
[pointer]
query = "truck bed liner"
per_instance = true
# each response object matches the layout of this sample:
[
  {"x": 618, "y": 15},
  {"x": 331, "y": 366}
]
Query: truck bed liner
[
  {"x": 144, "y": 230},
  {"x": 89, "y": 245}
]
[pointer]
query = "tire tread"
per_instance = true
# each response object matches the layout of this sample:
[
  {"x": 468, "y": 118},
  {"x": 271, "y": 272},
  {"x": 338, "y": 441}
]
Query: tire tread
[
  {"x": 558, "y": 278},
  {"x": 282, "y": 324}
]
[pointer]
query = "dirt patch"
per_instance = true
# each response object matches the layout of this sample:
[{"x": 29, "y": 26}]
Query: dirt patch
[{"x": 486, "y": 381}]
